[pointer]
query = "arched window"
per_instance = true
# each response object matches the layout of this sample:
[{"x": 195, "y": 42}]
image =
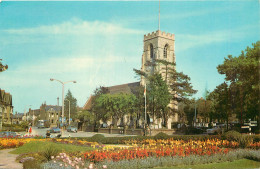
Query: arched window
[
  {"x": 151, "y": 51},
  {"x": 165, "y": 51}
]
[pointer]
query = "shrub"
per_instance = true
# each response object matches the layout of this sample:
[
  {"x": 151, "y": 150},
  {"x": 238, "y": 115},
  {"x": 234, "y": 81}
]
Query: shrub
[
  {"x": 232, "y": 135},
  {"x": 245, "y": 141},
  {"x": 161, "y": 136},
  {"x": 98, "y": 138},
  {"x": 50, "y": 151},
  {"x": 29, "y": 164}
]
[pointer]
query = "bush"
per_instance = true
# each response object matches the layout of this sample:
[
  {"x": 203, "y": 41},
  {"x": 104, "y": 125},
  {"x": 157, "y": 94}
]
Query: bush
[
  {"x": 245, "y": 141},
  {"x": 98, "y": 138},
  {"x": 161, "y": 136},
  {"x": 50, "y": 151},
  {"x": 232, "y": 136},
  {"x": 29, "y": 164}
]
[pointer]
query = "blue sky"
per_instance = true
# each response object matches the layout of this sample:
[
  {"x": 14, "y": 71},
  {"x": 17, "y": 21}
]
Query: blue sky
[{"x": 99, "y": 43}]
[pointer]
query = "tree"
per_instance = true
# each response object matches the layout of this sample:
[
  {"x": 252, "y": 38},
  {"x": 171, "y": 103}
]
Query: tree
[
  {"x": 97, "y": 110},
  {"x": 86, "y": 117},
  {"x": 3, "y": 67},
  {"x": 242, "y": 73},
  {"x": 158, "y": 97},
  {"x": 73, "y": 105},
  {"x": 178, "y": 85},
  {"x": 221, "y": 102},
  {"x": 116, "y": 105}
]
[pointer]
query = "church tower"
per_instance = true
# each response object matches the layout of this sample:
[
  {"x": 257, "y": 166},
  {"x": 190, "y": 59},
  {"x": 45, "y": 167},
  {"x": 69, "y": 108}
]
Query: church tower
[{"x": 157, "y": 45}]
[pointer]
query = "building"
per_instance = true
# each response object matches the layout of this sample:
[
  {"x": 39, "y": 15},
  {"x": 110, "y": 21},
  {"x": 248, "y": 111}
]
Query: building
[
  {"x": 17, "y": 118},
  {"x": 159, "y": 45},
  {"x": 51, "y": 113},
  {"x": 6, "y": 107},
  {"x": 156, "y": 45}
]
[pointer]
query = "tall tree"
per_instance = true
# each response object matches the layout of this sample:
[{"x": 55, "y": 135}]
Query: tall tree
[
  {"x": 97, "y": 110},
  {"x": 116, "y": 105},
  {"x": 73, "y": 105},
  {"x": 158, "y": 97},
  {"x": 177, "y": 83},
  {"x": 242, "y": 73}
]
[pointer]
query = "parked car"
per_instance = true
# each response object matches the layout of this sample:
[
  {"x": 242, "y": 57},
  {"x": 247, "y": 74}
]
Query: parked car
[
  {"x": 216, "y": 130},
  {"x": 72, "y": 129},
  {"x": 8, "y": 134},
  {"x": 55, "y": 130}
]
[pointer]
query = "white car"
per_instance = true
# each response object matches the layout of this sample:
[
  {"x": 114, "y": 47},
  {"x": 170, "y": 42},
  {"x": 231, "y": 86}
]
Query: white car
[{"x": 215, "y": 130}]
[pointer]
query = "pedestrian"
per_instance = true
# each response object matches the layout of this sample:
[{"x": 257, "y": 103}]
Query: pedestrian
[
  {"x": 30, "y": 130},
  {"x": 48, "y": 134}
]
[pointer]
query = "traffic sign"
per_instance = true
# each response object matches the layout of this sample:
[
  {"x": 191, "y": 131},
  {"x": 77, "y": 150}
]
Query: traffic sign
[
  {"x": 70, "y": 119},
  {"x": 244, "y": 127}
]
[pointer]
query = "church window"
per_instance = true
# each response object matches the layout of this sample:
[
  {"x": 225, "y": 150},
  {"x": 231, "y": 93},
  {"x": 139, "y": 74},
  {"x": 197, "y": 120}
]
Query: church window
[
  {"x": 165, "y": 51},
  {"x": 151, "y": 51}
]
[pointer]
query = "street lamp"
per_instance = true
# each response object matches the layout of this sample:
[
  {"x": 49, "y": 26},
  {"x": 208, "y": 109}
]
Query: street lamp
[
  {"x": 69, "y": 110},
  {"x": 63, "y": 83}
]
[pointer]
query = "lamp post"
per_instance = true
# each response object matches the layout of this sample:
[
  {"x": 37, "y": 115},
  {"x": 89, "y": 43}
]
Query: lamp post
[
  {"x": 69, "y": 110},
  {"x": 63, "y": 83}
]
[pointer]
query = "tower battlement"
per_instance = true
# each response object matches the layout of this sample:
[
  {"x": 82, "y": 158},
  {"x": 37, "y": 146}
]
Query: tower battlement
[{"x": 159, "y": 33}]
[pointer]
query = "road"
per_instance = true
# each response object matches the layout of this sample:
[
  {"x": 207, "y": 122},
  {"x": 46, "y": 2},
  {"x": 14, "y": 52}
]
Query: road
[{"x": 42, "y": 132}]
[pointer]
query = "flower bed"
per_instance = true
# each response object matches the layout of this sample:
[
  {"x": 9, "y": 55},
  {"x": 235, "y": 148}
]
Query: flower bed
[
  {"x": 15, "y": 142},
  {"x": 141, "y": 153}
]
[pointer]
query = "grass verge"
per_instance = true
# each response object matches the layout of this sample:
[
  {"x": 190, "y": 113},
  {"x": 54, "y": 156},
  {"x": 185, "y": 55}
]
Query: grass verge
[
  {"x": 40, "y": 146},
  {"x": 238, "y": 164}
]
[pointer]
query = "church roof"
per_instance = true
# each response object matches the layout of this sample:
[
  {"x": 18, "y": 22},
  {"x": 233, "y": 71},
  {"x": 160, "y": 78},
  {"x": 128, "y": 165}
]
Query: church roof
[{"x": 129, "y": 88}]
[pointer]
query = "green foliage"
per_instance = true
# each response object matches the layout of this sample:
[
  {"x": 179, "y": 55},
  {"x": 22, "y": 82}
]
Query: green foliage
[
  {"x": 115, "y": 105},
  {"x": 245, "y": 141},
  {"x": 242, "y": 75},
  {"x": 86, "y": 117},
  {"x": 40, "y": 146},
  {"x": 24, "y": 124},
  {"x": 232, "y": 135},
  {"x": 176, "y": 88},
  {"x": 49, "y": 152},
  {"x": 99, "y": 138},
  {"x": 73, "y": 105},
  {"x": 161, "y": 136},
  {"x": 158, "y": 97},
  {"x": 3, "y": 67},
  {"x": 31, "y": 164}
]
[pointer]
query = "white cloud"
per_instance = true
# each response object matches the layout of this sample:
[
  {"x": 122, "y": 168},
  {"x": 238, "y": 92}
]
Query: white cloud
[
  {"x": 187, "y": 41},
  {"x": 77, "y": 27}
]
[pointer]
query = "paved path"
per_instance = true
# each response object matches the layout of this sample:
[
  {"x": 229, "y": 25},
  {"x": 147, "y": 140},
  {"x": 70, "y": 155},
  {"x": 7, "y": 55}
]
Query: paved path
[{"x": 7, "y": 160}]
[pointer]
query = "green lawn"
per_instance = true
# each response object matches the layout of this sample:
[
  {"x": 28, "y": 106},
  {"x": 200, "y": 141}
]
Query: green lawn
[
  {"x": 39, "y": 146},
  {"x": 238, "y": 164}
]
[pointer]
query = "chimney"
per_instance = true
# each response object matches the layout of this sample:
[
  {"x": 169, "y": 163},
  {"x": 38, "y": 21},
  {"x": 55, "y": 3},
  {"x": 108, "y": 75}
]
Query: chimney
[{"x": 57, "y": 101}]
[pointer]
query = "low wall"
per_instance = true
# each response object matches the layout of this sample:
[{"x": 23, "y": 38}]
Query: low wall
[
  {"x": 153, "y": 132},
  {"x": 121, "y": 131}
]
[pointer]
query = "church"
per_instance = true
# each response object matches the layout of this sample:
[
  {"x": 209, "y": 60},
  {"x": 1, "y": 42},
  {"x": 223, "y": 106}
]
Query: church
[{"x": 156, "y": 45}]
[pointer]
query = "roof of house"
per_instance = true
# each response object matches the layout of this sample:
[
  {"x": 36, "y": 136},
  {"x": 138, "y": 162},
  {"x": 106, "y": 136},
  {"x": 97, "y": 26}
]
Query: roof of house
[
  {"x": 18, "y": 115},
  {"x": 55, "y": 107},
  {"x": 129, "y": 88}
]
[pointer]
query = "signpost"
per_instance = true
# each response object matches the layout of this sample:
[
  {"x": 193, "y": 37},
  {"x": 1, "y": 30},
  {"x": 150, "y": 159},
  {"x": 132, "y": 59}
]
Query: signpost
[{"x": 249, "y": 125}]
